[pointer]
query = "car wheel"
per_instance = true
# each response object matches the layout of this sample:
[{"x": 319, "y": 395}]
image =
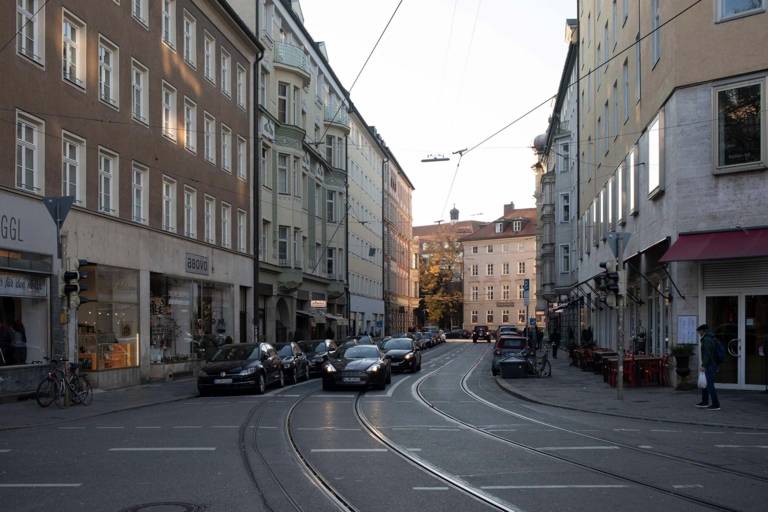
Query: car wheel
[
  {"x": 202, "y": 392},
  {"x": 281, "y": 379},
  {"x": 261, "y": 385},
  {"x": 418, "y": 367},
  {"x": 494, "y": 372},
  {"x": 306, "y": 372},
  {"x": 294, "y": 375},
  {"x": 389, "y": 377}
]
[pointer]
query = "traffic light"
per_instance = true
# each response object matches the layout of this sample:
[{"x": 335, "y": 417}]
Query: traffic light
[
  {"x": 74, "y": 282},
  {"x": 609, "y": 277}
]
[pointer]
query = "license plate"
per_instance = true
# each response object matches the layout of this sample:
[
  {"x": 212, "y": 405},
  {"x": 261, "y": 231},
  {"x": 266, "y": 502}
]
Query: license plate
[
  {"x": 351, "y": 379},
  {"x": 222, "y": 381}
]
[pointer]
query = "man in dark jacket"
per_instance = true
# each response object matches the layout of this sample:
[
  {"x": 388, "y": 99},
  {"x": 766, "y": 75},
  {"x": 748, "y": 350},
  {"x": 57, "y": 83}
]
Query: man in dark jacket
[
  {"x": 709, "y": 366},
  {"x": 554, "y": 339}
]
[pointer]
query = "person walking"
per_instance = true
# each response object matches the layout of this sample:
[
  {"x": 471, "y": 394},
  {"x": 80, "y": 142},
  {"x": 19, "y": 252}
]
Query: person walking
[
  {"x": 18, "y": 343},
  {"x": 554, "y": 338},
  {"x": 709, "y": 363}
]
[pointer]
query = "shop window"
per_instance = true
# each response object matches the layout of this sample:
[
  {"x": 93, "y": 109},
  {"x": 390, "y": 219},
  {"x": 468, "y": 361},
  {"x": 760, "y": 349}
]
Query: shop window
[
  {"x": 23, "y": 318},
  {"x": 108, "y": 327},
  {"x": 739, "y": 126},
  {"x": 189, "y": 319}
]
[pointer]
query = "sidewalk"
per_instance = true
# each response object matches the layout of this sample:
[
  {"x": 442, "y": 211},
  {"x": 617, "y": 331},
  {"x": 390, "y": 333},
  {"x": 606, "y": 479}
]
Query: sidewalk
[
  {"x": 574, "y": 389},
  {"x": 27, "y": 413}
]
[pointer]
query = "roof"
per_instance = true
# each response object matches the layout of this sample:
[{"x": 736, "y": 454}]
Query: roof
[
  {"x": 438, "y": 231},
  {"x": 488, "y": 232}
]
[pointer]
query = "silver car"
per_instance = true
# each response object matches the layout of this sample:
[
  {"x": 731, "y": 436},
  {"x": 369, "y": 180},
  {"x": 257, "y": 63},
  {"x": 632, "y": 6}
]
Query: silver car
[{"x": 507, "y": 346}]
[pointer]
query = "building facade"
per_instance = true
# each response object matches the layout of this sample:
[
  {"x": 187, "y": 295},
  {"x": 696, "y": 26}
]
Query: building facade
[
  {"x": 141, "y": 113},
  {"x": 399, "y": 299},
  {"x": 673, "y": 154},
  {"x": 498, "y": 259}
]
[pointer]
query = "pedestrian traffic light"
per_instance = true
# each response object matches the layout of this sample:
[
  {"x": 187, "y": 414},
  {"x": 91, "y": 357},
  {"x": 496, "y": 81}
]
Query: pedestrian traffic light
[{"x": 74, "y": 282}]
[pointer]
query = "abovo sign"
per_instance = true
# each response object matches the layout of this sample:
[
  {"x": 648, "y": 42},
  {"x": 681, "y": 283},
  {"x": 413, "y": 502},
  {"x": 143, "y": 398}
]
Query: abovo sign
[{"x": 196, "y": 264}]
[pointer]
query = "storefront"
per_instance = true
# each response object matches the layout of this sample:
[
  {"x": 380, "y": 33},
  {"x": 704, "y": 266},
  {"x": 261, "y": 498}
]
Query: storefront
[{"x": 27, "y": 249}]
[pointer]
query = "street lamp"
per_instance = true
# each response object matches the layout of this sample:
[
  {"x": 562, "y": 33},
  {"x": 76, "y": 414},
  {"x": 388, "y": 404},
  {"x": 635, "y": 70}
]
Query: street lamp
[{"x": 435, "y": 158}]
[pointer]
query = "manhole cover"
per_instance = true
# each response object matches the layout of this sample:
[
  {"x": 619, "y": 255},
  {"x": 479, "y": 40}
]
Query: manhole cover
[{"x": 165, "y": 506}]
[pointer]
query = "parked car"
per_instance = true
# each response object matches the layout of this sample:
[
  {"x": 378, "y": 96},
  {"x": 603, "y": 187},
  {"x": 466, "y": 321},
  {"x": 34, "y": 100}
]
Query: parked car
[
  {"x": 403, "y": 353},
  {"x": 358, "y": 365},
  {"x": 507, "y": 346},
  {"x": 456, "y": 334},
  {"x": 366, "y": 340},
  {"x": 317, "y": 352},
  {"x": 419, "y": 340},
  {"x": 252, "y": 366},
  {"x": 295, "y": 364},
  {"x": 504, "y": 330},
  {"x": 428, "y": 339},
  {"x": 481, "y": 332}
]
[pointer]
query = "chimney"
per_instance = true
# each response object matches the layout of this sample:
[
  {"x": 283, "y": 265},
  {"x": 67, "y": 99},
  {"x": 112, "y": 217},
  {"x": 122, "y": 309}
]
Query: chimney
[{"x": 509, "y": 208}]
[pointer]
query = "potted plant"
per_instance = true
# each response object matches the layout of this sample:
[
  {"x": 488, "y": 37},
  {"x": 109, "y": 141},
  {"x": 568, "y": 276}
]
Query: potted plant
[{"x": 682, "y": 355}]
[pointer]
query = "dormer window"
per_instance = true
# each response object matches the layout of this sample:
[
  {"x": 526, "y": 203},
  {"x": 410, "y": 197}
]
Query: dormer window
[
  {"x": 517, "y": 225},
  {"x": 499, "y": 227}
]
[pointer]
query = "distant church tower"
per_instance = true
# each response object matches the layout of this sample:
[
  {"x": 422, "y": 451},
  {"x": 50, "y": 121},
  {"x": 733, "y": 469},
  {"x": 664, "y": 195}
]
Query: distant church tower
[{"x": 454, "y": 215}]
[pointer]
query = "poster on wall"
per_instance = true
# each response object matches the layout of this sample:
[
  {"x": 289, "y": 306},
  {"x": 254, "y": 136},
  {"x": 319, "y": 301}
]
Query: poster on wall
[
  {"x": 22, "y": 285},
  {"x": 686, "y": 330}
]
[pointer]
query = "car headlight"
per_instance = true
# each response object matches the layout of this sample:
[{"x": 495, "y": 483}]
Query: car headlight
[
  {"x": 329, "y": 368},
  {"x": 248, "y": 371},
  {"x": 374, "y": 368},
  {"x": 408, "y": 356}
]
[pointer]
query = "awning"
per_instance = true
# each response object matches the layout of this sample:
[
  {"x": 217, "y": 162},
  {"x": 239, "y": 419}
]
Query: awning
[
  {"x": 340, "y": 320},
  {"x": 723, "y": 245}
]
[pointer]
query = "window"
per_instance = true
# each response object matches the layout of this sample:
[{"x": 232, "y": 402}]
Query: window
[
  {"x": 331, "y": 262},
  {"x": 263, "y": 87},
  {"x": 242, "y": 78},
  {"x": 606, "y": 45},
  {"x": 108, "y": 166},
  {"x": 632, "y": 181},
  {"x": 210, "y": 219},
  {"x": 474, "y": 249},
  {"x": 521, "y": 267},
  {"x": 474, "y": 316},
  {"x": 489, "y": 316},
  {"x": 505, "y": 316},
  {"x": 505, "y": 292},
  {"x": 604, "y": 136},
  {"x": 565, "y": 258},
  {"x": 729, "y": 9},
  {"x": 620, "y": 193},
  {"x": 489, "y": 269},
  {"x": 190, "y": 39},
  {"x": 266, "y": 164},
  {"x": 226, "y": 148},
  {"x": 242, "y": 236},
  {"x": 505, "y": 269},
  {"x": 489, "y": 292},
  {"x": 625, "y": 87},
  {"x": 654, "y": 157},
  {"x": 169, "y": 205},
  {"x": 595, "y": 223},
  {"x": 625, "y": 10},
  {"x": 282, "y": 102},
  {"x": 190, "y": 125},
  {"x": 602, "y": 214},
  {"x": 615, "y": 118},
  {"x": 610, "y": 213},
  {"x": 73, "y": 40},
  {"x": 190, "y": 213},
  {"x": 169, "y": 111},
  {"x": 242, "y": 162},
  {"x": 140, "y": 92},
  {"x": 297, "y": 248},
  {"x": 638, "y": 68},
  {"x": 140, "y": 193},
  {"x": 296, "y": 103},
  {"x": 297, "y": 177},
  {"x": 521, "y": 316},
  {"x": 475, "y": 270},
  {"x": 282, "y": 174},
  {"x": 475, "y": 293},
  {"x": 564, "y": 157},
  {"x": 614, "y": 16},
  {"x": 140, "y": 11},
  {"x": 565, "y": 208},
  {"x": 29, "y": 28},
  {"x": 108, "y": 72},
  {"x": 739, "y": 125},
  {"x": 331, "y": 206},
  {"x": 318, "y": 200},
  {"x": 489, "y": 249},
  {"x": 499, "y": 227},
  {"x": 226, "y": 73},
  {"x": 226, "y": 225},
  {"x": 73, "y": 167},
  {"x": 517, "y": 225},
  {"x": 169, "y": 22},
  {"x": 209, "y": 138},
  {"x": 656, "y": 29},
  {"x": 209, "y": 57}
]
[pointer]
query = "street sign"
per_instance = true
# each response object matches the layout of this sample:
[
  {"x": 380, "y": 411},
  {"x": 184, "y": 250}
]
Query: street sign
[
  {"x": 318, "y": 304},
  {"x": 617, "y": 241},
  {"x": 526, "y": 291},
  {"x": 526, "y": 285},
  {"x": 59, "y": 207},
  {"x": 532, "y": 322}
]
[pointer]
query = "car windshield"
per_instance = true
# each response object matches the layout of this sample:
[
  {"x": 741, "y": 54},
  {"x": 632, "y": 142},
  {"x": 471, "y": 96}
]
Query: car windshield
[
  {"x": 511, "y": 343},
  {"x": 284, "y": 350},
  {"x": 236, "y": 353},
  {"x": 361, "y": 352},
  {"x": 398, "y": 344}
]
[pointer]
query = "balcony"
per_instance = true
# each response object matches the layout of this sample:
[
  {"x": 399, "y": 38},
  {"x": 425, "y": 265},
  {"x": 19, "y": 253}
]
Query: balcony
[
  {"x": 293, "y": 57},
  {"x": 340, "y": 118}
]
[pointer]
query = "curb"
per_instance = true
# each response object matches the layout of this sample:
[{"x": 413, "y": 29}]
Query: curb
[
  {"x": 104, "y": 413},
  {"x": 528, "y": 398}
]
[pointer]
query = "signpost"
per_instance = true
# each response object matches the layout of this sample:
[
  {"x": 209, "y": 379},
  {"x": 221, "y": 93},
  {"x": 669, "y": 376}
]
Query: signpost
[{"x": 617, "y": 242}]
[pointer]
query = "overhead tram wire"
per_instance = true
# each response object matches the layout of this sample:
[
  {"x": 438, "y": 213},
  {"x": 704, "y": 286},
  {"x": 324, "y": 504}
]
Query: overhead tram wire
[{"x": 14, "y": 36}]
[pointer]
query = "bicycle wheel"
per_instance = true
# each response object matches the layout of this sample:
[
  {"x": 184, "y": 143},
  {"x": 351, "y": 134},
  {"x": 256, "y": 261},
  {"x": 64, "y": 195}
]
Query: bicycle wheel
[
  {"x": 47, "y": 391},
  {"x": 82, "y": 393},
  {"x": 61, "y": 394},
  {"x": 545, "y": 370},
  {"x": 733, "y": 347}
]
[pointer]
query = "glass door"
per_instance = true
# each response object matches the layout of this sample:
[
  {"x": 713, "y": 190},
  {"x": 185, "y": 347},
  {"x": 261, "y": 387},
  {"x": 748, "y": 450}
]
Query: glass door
[
  {"x": 756, "y": 339},
  {"x": 723, "y": 319}
]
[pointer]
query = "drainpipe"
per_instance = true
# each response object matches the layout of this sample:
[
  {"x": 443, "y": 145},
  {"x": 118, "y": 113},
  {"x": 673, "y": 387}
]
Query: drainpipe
[
  {"x": 256, "y": 208},
  {"x": 346, "y": 233},
  {"x": 384, "y": 286}
]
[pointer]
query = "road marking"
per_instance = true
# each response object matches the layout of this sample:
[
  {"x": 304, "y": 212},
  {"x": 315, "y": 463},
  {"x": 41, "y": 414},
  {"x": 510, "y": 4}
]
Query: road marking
[
  {"x": 5, "y": 450},
  {"x": 109, "y": 428},
  {"x": 267, "y": 428},
  {"x": 500, "y": 430},
  {"x": 393, "y": 387},
  {"x": 512, "y": 487},
  {"x": 347, "y": 429},
  {"x": 430, "y": 488},
  {"x": 333, "y": 396},
  {"x": 11, "y": 486},
  {"x": 70, "y": 428},
  {"x": 186, "y": 426},
  {"x": 688, "y": 486},
  {"x": 314, "y": 428},
  {"x": 446, "y": 429},
  {"x": 665, "y": 430},
  {"x": 291, "y": 396},
  {"x": 149, "y": 427},
  {"x": 165, "y": 449},
  {"x": 349, "y": 450},
  {"x": 751, "y": 433},
  {"x": 626, "y": 430},
  {"x": 708, "y": 432},
  {"x": 761, "y": 446},
  {"x": 225, "y": 426},
  {"x": 646, "y": 446},
  {"x": 556, "y": 448},
  {"x": 413, "y": 449}
]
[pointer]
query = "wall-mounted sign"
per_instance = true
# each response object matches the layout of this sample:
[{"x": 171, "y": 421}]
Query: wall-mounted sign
[
  {"x": 196, "y": 264},
  {"x": 686, "y": 330},
  {"x": 22, "y": 285},
  {"x": 505, "y": 304},
  {"x": 318, "y": 303}
]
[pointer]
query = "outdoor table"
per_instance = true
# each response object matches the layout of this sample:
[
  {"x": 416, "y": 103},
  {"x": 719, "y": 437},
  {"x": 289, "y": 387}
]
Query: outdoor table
[
  {"x": 610, "y": 372},
  {"x": 598, "y": 358},
  {"x": 648, "y": 366}
]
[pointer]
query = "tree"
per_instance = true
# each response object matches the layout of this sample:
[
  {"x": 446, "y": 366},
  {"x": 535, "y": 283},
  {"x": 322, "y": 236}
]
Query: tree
[{"x": 440, "y": 281}]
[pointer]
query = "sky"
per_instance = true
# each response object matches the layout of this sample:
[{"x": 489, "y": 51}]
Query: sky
[{"x": 447, "y": 74}]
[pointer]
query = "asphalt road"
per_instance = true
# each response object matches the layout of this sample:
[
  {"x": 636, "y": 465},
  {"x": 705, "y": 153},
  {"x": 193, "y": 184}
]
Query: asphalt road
[{"x": 446, "y": 438}]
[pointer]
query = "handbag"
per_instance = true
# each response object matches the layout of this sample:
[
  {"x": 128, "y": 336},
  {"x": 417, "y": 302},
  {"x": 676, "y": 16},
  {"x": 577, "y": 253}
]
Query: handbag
[{"x": 702, "y": 380}]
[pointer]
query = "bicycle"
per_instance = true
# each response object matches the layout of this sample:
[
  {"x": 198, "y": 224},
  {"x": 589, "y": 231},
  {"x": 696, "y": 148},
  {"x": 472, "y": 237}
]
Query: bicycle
[
  {"x": 56, "y": 384},
  {"x": 540, "y": 367}
]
